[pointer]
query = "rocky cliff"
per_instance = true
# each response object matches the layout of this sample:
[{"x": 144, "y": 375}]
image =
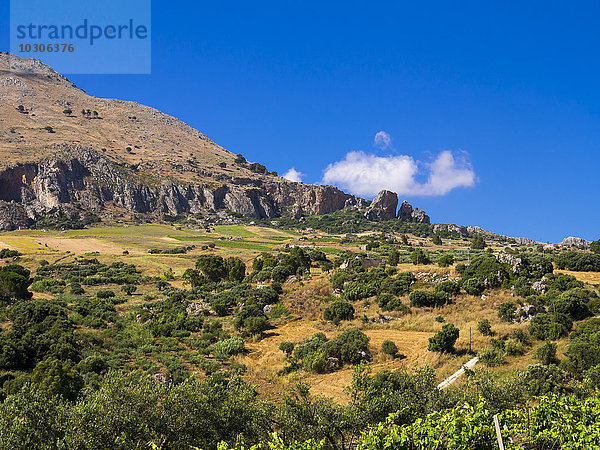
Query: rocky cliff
[{"x": 81, "y": 177}]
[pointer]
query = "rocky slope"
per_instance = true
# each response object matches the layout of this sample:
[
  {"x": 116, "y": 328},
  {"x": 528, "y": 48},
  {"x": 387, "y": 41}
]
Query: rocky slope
[{"x": 63, "y": 149}]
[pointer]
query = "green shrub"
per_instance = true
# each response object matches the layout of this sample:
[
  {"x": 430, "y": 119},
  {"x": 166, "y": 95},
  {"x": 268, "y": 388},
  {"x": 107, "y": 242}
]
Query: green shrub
[
  {"x": 506, "y": 311},
  {"x": 451, "y": 288},
  {"x": 473, "y": 286},
  {"x": 546, "y": 353},
  {"x": 445, "y": 260},
  {"x": 229, "y": 347},
  {"x": 428, "y": 298},
  {"x": 547, "y": 326},
  {"x": 444, "y": 340},
  {"x": 418, "y": 256},
  {"x": 286, "y": 347},
  {"x": 389, "y": 348},
  {"x": 492, "y": 356},
  {"x": 339, "y": 310},
  {"x": 484, "y": 327}
]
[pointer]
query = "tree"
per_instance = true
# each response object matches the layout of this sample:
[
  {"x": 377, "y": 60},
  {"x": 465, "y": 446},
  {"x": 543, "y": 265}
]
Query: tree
[
  {"x": 546, "y": 326},
  {"x": 55, "y": 377},
  {"x": 446, "y": 260},
  {"x": 478, "y": 242},
  {"x": 235, "y": 268},
  {"x": 473, "y": 286},
  {"x": 339, "y": 310},
  {"x": 193, "y": 277},
  {"x": 239, "y": 159},
  {"x": 68, "y": 112},
  {"x": 595, "y": 246},
  {"x": 389, "y": 348},
  {"x": 393, "y": 257},
  {"x": 436, "y": 240},
  {"x": 444, "y": 340},
  {"x": 418, "y": 256},
  {"x": 212, "y": 266},
  {"x": 14, "y": 283}
]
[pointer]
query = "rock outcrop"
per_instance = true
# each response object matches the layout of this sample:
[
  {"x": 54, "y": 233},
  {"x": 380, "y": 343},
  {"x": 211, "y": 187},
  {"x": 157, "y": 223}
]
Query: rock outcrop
[
  {"x": 383, "y": 207},
  {"x": 83, "y": 177},
  {"x": 13, "y": 216},
  {"x": 575, "y": 242},
  {"x": 406, "y": 213},
  {"x": 311, "y": 199}
]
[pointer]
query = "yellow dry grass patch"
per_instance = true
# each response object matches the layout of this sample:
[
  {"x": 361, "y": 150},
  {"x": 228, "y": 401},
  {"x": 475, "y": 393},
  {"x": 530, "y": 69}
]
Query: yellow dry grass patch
[
  {"x": 86, "y": 245},
  {"x": 265, "y": 359},
  {"x": 23, "y": 244},
  {"x": 586, "y": 277}
]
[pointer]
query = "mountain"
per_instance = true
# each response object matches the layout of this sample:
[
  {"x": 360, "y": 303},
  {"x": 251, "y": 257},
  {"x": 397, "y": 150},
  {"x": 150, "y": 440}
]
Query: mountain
[{"x": 63, "y": 150}]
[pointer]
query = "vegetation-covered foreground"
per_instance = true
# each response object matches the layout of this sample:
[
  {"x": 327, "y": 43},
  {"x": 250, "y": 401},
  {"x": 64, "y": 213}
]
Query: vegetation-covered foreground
[{"x": 236, "y": 335}]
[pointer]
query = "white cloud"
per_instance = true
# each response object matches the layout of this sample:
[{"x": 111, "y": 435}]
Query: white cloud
[
  {"x": 366, "y": 174},
  {"x": 383, "y": 140},
  {"x": 293, "y": 175}
]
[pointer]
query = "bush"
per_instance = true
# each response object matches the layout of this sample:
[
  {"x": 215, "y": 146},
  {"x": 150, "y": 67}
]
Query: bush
[
  {"x": 76, "y": 289},
  {"x": 229, "y": 347},
  {"x": 105, "y": 294},
  {"x": 389, "y": 302},
  {"x": 546, "y": 353},
  {"x": 418, "y": 256},
  {"x": 578, "y": 261},
  {"x": 478, "y": 242},
  {"x": 484, "y": 327},
  {"x": 357, "y": 291},
  {"x": 428, "y": 298},
  {"x": 445, "y": 260},
  {"x": 389, "y": 348},
  {"x": 492, "y": 355},
  {"x": 444, "y": 340},
  {"x": 583, "y": 351},
  {"x": 546, "y": 326},
  {"x": 287, "y": 347},
  {"x": 339, "y": 310},
  {"x": 473, "y": 286},
  {"x": 448, "y": 287},
  {"x": 545, "y": 379},
  {"x": 514, "y": 347},
  {"x": 506, "y": 311}
]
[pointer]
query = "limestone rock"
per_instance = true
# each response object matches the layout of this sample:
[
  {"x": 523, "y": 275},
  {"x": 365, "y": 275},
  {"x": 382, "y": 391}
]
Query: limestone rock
[
  {"x": 383, "y": 207},
  {"x": 575, "y": 242},
  {"x": 408, "y": 214}
]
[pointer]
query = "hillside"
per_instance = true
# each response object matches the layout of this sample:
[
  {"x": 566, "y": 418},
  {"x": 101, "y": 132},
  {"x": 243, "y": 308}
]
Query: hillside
[{"x": 63, "y": 150}]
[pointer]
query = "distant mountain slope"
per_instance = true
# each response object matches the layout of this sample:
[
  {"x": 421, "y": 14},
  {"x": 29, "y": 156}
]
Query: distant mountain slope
[{"x": 62, "y": 149}]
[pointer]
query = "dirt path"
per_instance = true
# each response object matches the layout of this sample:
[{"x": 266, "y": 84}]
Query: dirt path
[{"x": 452, "y": 378}]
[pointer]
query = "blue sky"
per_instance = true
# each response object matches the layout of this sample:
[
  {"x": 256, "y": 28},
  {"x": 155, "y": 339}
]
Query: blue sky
[{"x": 509, "y": 89}]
